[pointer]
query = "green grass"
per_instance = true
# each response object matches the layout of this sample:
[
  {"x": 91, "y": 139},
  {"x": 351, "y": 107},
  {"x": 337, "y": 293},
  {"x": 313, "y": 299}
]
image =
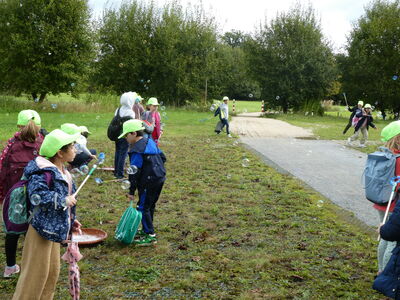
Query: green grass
[{"x": 225, "y": 231}]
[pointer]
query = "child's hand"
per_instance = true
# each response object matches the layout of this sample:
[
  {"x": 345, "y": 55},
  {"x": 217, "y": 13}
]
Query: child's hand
[
  {"x": 70, "y": 200},
  {"x": 76, "y": 227},
  {"x": 93, "y": 157}
]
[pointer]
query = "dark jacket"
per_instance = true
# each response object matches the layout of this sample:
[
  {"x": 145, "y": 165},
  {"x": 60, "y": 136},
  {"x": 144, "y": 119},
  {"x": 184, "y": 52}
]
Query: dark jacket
[
  {"x": 362, "y": 117},
  {"x": 353, "y": 111},
  {"x": 52, "y": 220},
  {"x": 390, "y": 231},
  {"x": 149, "y": 161}
]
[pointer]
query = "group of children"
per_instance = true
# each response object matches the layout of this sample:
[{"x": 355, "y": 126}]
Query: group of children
[
  {"x": 31, "y": 155},
  {"x": 361, "y": 119},
  {"x": 131, "y": 108}
]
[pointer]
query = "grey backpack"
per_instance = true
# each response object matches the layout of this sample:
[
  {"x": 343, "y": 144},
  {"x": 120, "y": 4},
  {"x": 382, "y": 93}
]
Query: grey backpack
[{"x": 379, "y": 170}]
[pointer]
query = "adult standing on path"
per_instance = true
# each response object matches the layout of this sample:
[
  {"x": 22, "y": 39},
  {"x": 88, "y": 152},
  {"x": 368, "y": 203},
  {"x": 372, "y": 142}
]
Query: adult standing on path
[
  {"x": 225, "y": 115},
  {"x": 353, "y": 113},
  {"x": 121, "y": 145},
  {"x": 362, "y": 126}
]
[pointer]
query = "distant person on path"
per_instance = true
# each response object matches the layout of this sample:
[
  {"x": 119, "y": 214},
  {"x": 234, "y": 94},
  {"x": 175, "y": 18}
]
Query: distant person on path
[
  {"x": 365, "y": 120},
  {"x": 121, "y": 145},
  {"x": 353, "y": 112},
  {"x": 225, "y": 115},
  {"x": 21, "y": 148},
  {"x": 138, "y": 107}
]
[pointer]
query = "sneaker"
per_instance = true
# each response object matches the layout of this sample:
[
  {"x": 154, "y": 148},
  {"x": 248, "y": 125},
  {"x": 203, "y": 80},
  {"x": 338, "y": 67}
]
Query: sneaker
[
  {"x": 229, "y": 135},
  {"x": 141, "y": 233},
  {"x": 146, "y": 240},
  {"x": 10, "y": 271},
  {"x": 348, "y": 142}
]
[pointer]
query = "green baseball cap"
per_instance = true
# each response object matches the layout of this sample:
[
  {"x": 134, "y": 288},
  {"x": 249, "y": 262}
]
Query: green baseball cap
[
  {"x": 152, "y": 101},
  {"x": 25, "y": 116},
  {"x": 84, "y": 129},
  {"x": 368, "y": 106},
  {"x": 390, "y": 131},
  {"x": 70, "y": 128},
  {"x": 55, "y": 140},
  {"x": 131, "y": 126}
]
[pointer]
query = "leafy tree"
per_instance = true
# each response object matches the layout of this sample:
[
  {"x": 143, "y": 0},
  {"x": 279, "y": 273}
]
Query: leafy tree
[
  {"x": 45, "y": 46},
  {"x": 168, "y": 52},
  {"x": 291, "y": 61},
  {"x": 370, "y": 70}
]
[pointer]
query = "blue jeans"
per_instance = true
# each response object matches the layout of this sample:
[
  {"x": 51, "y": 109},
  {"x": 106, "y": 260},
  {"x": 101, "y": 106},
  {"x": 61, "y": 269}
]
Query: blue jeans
[
  {"x": 121, "y": 151},
  {"x": 147, "y": 204},
  {"x": 225, "y": 123}
]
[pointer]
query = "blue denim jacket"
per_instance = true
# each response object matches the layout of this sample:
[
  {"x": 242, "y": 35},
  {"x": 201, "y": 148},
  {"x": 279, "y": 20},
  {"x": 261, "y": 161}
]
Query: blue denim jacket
[{"x": 51, "y": 218}]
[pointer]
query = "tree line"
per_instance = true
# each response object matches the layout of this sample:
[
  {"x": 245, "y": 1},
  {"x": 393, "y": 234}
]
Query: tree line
[{"x": 179, "y": 54}]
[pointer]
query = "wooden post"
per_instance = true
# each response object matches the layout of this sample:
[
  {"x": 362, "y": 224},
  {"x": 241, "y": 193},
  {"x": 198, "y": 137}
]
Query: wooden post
[
  {"x": 262, "y": 106},
  {"x": 233, "y": 106}
]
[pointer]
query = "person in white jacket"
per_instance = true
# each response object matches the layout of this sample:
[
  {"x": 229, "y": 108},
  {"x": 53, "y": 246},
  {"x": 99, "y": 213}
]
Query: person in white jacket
[
  {"x": 225, "y": 115},
  {"x": 121, "y": 145}
]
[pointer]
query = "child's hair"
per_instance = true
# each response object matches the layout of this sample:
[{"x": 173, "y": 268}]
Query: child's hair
[
  {"x": 394, "y": 143},
  {"x": 30, "y": 132},
  {"x": 85, "y": 134},
  {"x": 139, "y": 133},
  {"x": 63, "y": 149}
]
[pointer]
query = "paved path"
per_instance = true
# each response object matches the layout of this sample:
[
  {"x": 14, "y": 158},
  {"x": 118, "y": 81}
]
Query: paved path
[{"x": 329, "y": 167}]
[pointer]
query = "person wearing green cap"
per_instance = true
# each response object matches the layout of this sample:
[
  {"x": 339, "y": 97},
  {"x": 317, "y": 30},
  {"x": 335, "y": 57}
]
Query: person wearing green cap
[
  {"x": 391, "y": 136},
  {"x": 154, "y": 118},
  {"x": 21, "y": 148},
  {"x": 147, "y": 176},
  {"x": 53, "y": 217},
  {"x": 83, "y": 154},
  {"x": 365, "y": 120}
]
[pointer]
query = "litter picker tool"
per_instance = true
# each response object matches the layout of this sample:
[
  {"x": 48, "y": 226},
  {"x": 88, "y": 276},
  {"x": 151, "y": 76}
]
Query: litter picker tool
[
  {"x": 345, "y": 99},
  {"x": 394, "y": 181},
  {"x": 100, "y": 162}
]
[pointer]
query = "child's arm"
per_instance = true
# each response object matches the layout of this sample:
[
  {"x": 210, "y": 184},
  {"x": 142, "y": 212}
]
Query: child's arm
[{"x": 37, "y": 185}]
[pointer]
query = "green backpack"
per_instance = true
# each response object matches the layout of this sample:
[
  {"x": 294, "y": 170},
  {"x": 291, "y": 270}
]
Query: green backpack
[{"x": 128, "y": 225}]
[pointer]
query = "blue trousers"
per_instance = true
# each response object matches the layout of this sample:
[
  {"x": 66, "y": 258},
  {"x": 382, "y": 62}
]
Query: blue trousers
[
  {"x": 148, "y": 198},
  {"x": 121, "y": 151},
  {"x": 225, "y": 123}
]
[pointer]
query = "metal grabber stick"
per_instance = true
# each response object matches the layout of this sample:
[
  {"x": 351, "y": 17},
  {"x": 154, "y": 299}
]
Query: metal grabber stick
[
  {"x": 100, "y": 162},
  {"x": 394, "y": 181}
]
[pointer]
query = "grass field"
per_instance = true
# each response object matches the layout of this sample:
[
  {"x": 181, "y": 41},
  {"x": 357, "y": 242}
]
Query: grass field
[{"x": 226, "y": 231}]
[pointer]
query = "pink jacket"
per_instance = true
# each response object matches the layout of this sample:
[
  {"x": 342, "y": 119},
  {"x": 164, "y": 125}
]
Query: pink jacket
[{"x": 157, "y": 127}]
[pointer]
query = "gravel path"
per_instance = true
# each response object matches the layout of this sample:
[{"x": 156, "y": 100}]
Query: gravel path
[{"x": 329, "y": 167}]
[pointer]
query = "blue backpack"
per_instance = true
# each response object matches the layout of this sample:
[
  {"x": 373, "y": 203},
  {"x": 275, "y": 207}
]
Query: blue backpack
[
  {"x": 379, "y": 170},
  {"x": 17, "y": 206}
]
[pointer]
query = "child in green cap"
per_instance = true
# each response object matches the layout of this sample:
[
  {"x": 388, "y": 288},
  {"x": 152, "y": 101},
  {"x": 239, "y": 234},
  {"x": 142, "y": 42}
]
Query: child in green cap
[
  {"x": 146, "y": 174},
  {"x": 391, "y": 136},
  {"x": 21, "y": 148},
  {"x": 53, "y": 217}
]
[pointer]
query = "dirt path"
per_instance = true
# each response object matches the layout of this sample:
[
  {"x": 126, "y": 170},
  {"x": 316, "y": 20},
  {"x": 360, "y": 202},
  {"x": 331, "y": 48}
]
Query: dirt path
[
  {"x": 329, "y": 167},
  {"x": 251, "y": 125}
]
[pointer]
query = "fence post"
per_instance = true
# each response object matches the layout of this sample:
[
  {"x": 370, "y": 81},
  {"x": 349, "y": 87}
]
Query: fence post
[
  {"x": 262, "y": 106},
  {"x": 233, "y": 106}
]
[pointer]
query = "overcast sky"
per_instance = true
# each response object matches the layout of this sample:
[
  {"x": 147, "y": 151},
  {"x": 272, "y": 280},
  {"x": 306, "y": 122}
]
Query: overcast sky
[{"x": 337, "y": 16}]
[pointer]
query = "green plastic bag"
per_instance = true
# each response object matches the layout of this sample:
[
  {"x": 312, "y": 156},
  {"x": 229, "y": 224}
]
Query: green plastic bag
[{"x": 128, "y": 225}]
